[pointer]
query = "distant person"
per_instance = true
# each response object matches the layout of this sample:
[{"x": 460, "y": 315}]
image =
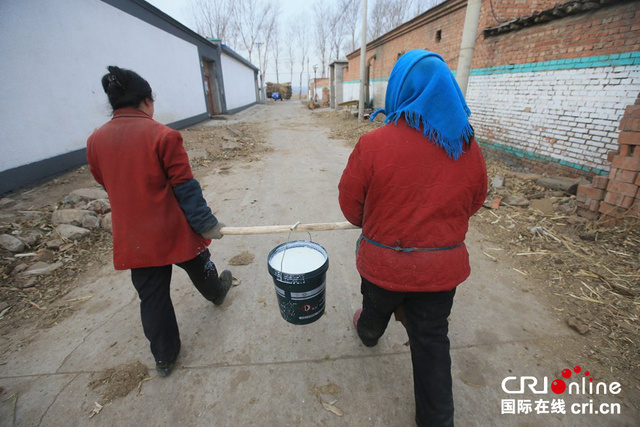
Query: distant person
[
  {"x": 412, "y": 186},
  {"x": 159, "y": 214}
]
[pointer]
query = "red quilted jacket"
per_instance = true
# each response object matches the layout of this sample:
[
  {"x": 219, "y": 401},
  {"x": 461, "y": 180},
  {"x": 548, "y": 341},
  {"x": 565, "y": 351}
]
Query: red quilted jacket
[
  {"x": 139, "y": 161},
  {"x": 405, "y": 191}
]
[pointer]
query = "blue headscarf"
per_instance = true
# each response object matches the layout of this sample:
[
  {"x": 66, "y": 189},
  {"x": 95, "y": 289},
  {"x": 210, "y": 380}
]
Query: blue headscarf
[{"x": 422, "y": 89}]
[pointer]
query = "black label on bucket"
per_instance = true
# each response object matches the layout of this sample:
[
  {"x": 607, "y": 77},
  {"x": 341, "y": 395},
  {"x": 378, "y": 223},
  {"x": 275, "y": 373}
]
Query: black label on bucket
[{"x": 301, "y": 307}]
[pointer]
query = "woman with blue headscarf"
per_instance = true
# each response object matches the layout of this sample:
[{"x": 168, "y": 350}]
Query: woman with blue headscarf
[{"x": 412, "y": 186}]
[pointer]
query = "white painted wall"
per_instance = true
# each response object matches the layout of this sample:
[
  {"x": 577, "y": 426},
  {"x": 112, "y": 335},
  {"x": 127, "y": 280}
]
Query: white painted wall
[
  {"x": 377, "y": 92},
  {"x": 239, "y": 82},
  {"x": 351, "y": 91},
  {"x": 568, "y": 115},
  {"x": 54, "y": 54}
]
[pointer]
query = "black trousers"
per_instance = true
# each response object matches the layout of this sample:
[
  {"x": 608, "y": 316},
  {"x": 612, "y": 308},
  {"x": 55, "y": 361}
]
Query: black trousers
[
  {"x": 156, "y": 309},
  {"x": 425, "y": 319}
]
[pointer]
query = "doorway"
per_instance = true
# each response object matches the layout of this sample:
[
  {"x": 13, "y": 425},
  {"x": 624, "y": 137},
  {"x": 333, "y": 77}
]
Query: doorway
[{"x": 212, "y": 94}]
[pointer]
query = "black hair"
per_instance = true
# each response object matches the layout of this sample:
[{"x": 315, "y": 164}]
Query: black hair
[{"x": 125, "y": 88}]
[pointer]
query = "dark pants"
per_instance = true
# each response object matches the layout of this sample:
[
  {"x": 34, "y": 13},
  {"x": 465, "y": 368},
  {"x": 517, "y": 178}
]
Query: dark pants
[
  {"x": 156, "y": 309},
  {"x": 425, "y": 319}
]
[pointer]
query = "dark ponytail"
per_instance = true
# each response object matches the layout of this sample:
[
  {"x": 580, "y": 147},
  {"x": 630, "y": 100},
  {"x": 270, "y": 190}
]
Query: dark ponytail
[{"x": 125, "y": 88}]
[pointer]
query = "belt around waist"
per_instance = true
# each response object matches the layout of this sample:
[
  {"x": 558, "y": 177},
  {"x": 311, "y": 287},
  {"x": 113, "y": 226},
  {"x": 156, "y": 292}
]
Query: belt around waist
[{"x": 401, "y": 249}]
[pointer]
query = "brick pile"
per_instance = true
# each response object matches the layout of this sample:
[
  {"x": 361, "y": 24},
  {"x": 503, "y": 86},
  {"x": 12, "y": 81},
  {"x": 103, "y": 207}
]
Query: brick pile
[{"x": 616, "y": 196}]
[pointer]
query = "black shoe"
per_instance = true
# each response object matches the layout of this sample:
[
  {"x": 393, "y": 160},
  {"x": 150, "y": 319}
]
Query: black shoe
[
  {"x": 368, "y": 342},
  {"x": 226, "y": 280},
  {"x": 165, "y": 368}
]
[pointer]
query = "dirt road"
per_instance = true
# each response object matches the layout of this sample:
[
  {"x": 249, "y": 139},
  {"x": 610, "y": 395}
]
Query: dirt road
[{"x": 243, "y": 365}]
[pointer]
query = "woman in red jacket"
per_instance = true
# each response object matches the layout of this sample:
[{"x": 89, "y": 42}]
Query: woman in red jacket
[
  {"x": 159, "y": 216},
  {"x": 412, "y": 186}
]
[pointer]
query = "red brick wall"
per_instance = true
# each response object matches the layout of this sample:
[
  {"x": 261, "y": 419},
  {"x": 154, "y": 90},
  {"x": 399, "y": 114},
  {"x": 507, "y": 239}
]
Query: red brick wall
[
  {"x": 508, "y": 10},
  {"x": 321, "y": 82},
  {"x": 423, "y": 37},
  {"x": 605, "y": 31},
  {"x": 571, "y": 121}
]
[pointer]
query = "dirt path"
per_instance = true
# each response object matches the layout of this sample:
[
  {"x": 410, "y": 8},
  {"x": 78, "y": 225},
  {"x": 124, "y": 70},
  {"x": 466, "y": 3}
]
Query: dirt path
[{"x": 242, "y": 364}]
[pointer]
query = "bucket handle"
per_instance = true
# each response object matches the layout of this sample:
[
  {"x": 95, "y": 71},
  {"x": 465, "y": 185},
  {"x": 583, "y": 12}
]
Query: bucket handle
[{"x": 291, "y": 229}]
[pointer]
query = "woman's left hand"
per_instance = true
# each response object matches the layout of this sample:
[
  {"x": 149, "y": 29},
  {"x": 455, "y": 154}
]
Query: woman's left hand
[{"x": 214, "y": 233}]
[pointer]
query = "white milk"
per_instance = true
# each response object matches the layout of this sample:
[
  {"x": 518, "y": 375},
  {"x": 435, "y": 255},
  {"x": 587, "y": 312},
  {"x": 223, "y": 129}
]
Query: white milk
[{"x": 297, "y": 260}]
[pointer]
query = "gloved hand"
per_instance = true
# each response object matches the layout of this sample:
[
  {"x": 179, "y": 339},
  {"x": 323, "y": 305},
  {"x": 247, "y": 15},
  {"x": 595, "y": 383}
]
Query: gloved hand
[{"x": 214, "y": 233}]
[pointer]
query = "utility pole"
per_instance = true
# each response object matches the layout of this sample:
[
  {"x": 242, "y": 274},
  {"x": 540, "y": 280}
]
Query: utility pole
[
  {"x": 263, "y": 90},
  {"x": 315, "y": 84},
  {"x": 308, "y": 80},
  {"x": 363, "y": 61},
  {"x": 264, "y": 98},
  {"x": 468, "y": 44}
]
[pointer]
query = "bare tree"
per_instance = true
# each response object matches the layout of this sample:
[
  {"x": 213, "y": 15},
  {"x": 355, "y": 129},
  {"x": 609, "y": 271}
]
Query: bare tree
[
  {"x": 291, "y": 50},
  {"x": 322, "y": 26},
  {"x": 387, "y": 15},
  {"x": 268, "y": 28},
  {"x": 275, "y": 49},
  {"x": 375, "y": 24},
  {"x": 422, "y": 6},
  {"x": 211, "y": 18},
  {"x": 300, "y": 26},
  {"x": 336, "y": 32},
  {"x": 351, "y": 20},
  {"x": 251, "y": 19},
  {"x": 399, "y": 12}
]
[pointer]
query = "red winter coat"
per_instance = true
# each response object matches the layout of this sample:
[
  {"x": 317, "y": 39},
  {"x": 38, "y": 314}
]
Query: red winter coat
[
  {"x": 139, "y": 161},
  {"x": 405, "y": 191}
]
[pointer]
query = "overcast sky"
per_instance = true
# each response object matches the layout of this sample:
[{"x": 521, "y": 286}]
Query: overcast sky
[{"x": 180, "y": 10}]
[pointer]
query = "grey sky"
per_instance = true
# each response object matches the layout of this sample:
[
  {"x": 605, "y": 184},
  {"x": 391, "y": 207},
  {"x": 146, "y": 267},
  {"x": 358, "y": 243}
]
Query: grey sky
[
  {"x": 181, "y": 11},
  {"x": 289, "y": 10}
]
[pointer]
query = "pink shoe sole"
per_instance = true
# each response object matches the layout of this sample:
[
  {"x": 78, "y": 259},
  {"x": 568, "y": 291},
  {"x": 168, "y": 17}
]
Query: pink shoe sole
[{"x": 356, "y": 317}]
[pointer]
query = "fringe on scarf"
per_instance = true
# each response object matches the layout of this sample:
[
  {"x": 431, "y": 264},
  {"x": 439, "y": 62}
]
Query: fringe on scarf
[{"x": 454, "y": 148}]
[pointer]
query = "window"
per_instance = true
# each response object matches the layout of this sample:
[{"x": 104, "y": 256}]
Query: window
[{"x": 438, "y": 36}]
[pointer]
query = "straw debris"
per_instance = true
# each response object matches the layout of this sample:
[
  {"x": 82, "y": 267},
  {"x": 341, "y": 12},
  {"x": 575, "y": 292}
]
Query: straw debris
[{"x": 591, "y": 272}]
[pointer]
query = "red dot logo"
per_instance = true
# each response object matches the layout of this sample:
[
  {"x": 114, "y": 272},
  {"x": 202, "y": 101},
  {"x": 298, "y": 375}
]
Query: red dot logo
[
  {"x": 558, "y": 386},
  {"x": 577, "y": 369},
  {"x": 566, "y": 373},
  {"x": 586, "y": 373}
]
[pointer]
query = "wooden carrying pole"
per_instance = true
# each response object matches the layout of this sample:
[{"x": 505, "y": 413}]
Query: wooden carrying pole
[{"x": 271, "y": 229}]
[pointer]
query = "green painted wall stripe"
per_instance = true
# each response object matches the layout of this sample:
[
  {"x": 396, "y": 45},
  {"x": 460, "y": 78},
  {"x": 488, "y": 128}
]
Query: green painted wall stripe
[
  {"x": 381, "y": 79},
  {"x": 615, "y": 60},
  {"x": 518, "y": 152}
]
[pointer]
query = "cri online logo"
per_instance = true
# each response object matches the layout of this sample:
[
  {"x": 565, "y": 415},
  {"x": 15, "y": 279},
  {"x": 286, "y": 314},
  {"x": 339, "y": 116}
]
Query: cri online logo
[{"x": 559, "y": 386}]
